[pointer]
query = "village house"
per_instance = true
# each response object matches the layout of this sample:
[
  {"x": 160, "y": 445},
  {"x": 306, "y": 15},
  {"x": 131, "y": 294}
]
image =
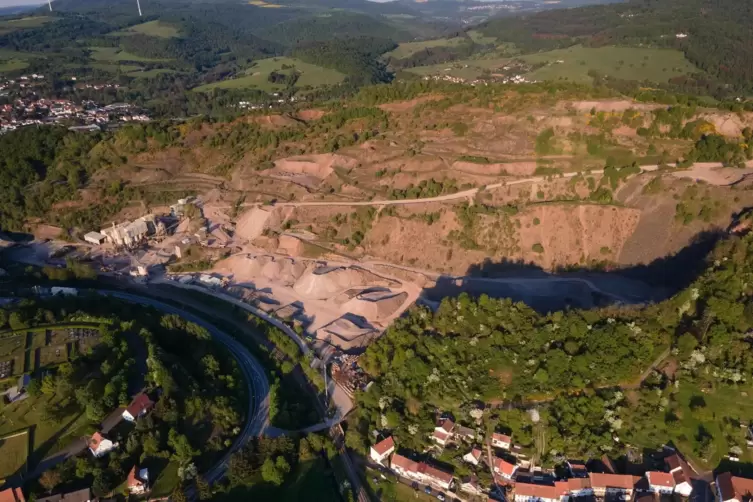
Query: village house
[
  {"x": 138, "y": 482},
  {"x": 616, "y": 486},
  {"x": 84, "y": 495},
  {"x": 577, "y": 469},
  {"x": 504, "y": 468},
  {"x": 682, "y": 474},
  {"x": 383, "y": 449},
  {"x": 100, "y": 445},
  {"x": 443, "y": 431},
  {"x": 433, "y": 476},
  {"x": 465, "y": 433},
  {"x": 421, "y": 472},
  {"x": 469, "y": 484},
  {"x": 660, "y": 482},
  {"x": 501, "y": 441},
  {"x": 576, "y": 488},
  {"x": 733, "y": 488},
  {"x": 12, "y": 495},
  {"x": 139, "y": 407},
  {"x": 473, "y": 456},
  {"x": 405, "y": 467},
  {"x": 529, "y": 492}
]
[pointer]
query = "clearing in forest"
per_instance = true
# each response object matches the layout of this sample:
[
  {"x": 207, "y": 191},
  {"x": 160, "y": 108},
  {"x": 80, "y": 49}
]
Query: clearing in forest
[
  {"x": 258, "y": 76},
  {"x": 152, "y": 29},
  {"x": 629, "y": 63},
  {"x": 408, "y": 49}
]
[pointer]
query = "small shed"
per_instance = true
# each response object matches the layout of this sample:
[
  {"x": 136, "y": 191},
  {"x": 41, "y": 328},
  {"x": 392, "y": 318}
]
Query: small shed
[{"x": 94, "y": 238}]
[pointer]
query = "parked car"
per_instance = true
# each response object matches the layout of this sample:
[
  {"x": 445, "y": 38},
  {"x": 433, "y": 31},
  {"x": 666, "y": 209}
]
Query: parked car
[
  {"x": 440, "y": 496},
  {"x": 427, "y": 489}
]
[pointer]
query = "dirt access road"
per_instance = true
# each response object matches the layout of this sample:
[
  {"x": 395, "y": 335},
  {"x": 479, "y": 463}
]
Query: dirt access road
[{"x": 701, "y": 171}]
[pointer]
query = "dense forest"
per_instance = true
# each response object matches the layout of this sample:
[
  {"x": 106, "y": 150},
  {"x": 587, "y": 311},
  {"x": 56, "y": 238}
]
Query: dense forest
[
  {"x": 719, "y": 37},
  {"x": 484, "y": 350}
]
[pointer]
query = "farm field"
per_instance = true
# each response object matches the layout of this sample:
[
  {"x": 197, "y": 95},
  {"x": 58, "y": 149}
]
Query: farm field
[
  {"x": 12, "y": 65},
  {"x": 465, "y": 68},
  {"x": 150, "y": 28},
  {"x": 13, "y": 453},
  {"x": 25, "y": 22},
  {"x": 407, "y": 49},
  {"x": 115, "y": 54},
  {"x": 257, "y": 76},
  {"x": 658, "y": 65},
  {"x": 149, "y": 73},
  {"x": 480, "y": 38}
]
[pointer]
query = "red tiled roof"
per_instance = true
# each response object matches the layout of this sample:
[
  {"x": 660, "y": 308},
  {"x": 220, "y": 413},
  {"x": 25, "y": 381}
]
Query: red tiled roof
[
  {"x": 447, "y": 425},
  {"x": 673, "y": 462},
  {"x": 656, "y": 478},
  {"x": 438, "y": 434},
  {"x": 504, "y": 467},
  {"x": 384, "y": 446},
  {"x": 503, "y": 438},
  {"x": 734, "y": 487},
  {"x": 537, "y": 491},
  {"x": 12, "y": 495},
  {"x": 404, "y": 463},
  {"x": 623, "y": 481},
  {"x": 132, "y": 479},
  {"x": 575, "y": 484},
  {"x": 95, "y": 440},
  {"x": 434, "y": 473},
  {"x": 476, "y": 453},
  {"x": 140, "y": 404}
]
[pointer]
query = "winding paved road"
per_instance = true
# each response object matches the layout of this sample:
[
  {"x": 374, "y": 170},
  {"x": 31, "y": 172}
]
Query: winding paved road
[{"x": 253, "y": 371}]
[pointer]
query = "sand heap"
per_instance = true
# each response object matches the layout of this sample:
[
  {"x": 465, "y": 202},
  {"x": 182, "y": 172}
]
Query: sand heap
[
  {"x": 252, "y": 223},
  {"x": 327, "y": 282},
  {"x": 250, "y": 268},
  {"x": 290, "y": 245},
  {"x": 346, "y": 334},
  {"x": 376, "y": 305},
  {"x": 309, "y": 170}
]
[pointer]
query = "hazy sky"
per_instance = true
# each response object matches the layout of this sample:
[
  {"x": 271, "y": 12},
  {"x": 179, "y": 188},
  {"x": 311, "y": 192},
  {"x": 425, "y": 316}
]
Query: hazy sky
[{"x": 12, "y": 3}]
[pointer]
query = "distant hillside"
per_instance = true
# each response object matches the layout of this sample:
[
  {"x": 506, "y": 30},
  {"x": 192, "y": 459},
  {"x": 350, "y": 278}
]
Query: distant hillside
[
  {"x": 331, "y": 26},
  {"x": 715, "y": 35}
]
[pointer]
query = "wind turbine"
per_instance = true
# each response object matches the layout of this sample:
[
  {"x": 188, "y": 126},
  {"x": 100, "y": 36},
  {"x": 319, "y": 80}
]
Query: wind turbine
[{"x": 137, "y": 5}]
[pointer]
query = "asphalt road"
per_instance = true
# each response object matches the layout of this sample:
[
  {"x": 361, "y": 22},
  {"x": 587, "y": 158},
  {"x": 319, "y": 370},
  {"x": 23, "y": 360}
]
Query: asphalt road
[{"x": 253, "y": 371}]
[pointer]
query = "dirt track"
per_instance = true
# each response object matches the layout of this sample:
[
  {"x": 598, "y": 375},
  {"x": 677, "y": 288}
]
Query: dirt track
[{"x": 705, "y": 172}]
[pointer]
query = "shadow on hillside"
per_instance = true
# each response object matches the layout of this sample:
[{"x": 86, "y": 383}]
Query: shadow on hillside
[{"x": 580, "y": 287}]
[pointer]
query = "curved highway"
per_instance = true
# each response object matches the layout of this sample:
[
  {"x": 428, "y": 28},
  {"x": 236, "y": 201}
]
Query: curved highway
[{"x": 253, "y": 371}]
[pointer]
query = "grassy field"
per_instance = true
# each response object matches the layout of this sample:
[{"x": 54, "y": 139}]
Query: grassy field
[
  {"x": 13, "y": 452},
  {"x": 266, "y": 5},
  {"x": 26, "y": 22},
  {"x": 166, "y": 481},
  {"x": 394, "y": 491},
  {"x": 151, "y": 28},
  {"x": 115, "y": 54},
  {"x": 149, "y": 73},
  {"x": 658, "y": 65},
  {"x": 466, "y": 68},
  {"x": 50, "y": 434},
  {"x": 257, "y": 76},
  {"x": 409, "y": 48},
  {"x": 312, "y": 480},
  {"x": 11, "y": 54},
  {"x": 480, "y": 38}
]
